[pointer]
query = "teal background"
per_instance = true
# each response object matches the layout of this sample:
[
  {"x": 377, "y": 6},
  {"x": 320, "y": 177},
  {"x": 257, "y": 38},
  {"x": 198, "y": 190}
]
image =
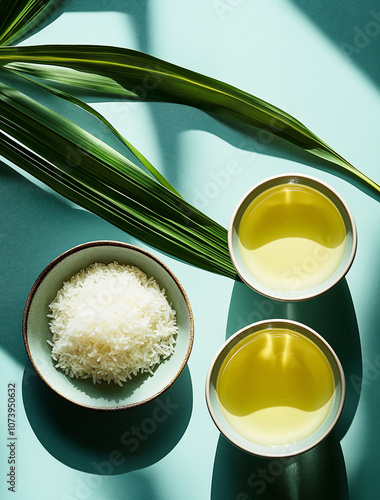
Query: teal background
[{"x": 318, "y": 62}]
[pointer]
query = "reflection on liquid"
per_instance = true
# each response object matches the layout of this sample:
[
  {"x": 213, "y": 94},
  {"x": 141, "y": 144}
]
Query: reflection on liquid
[
  {"x": 275, "y": 387},
  {"x": 291, "y": 237}
]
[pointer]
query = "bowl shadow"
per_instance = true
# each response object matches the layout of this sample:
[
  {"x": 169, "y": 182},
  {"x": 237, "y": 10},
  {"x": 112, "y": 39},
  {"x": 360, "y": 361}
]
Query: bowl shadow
[
  {"x": 111, "y": 391},
  {"x": 107, "y": 442},
  {"x": 320, "y": 472}
]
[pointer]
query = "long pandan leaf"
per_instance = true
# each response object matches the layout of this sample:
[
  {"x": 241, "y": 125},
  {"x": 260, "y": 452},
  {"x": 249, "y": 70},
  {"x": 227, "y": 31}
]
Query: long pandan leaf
[
  {"x": 146, "y": 77},
  {"x": 81, "y": 104},
  {"x": 90, "y": 173},
  {"x": 17, "y": 16}
]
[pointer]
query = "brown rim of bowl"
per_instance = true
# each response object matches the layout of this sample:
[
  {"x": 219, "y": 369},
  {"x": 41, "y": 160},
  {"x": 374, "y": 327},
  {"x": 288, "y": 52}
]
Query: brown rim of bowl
[{"x": 73, "y": 250}]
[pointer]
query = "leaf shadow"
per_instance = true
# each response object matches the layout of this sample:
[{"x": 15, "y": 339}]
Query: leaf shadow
[
  {"x": 172, "y": 120},
  {"x": 353, "y": 26},
  {"x": 56, "y": 8}
]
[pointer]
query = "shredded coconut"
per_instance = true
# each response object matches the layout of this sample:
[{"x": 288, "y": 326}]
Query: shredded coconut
[{"x": 111, "y": 322}]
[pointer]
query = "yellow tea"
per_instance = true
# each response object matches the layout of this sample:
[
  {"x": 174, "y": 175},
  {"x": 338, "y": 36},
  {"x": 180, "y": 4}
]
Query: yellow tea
[
  {"x": 291, "y": 237},
  {"x": 275, "y": 387}
]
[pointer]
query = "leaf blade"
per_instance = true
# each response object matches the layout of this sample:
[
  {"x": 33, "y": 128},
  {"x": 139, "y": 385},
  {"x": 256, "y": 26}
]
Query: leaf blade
[
  {"x": 146, "y": 77},
  {"x": 78, "y": 102},
  {"x": 18, "y": 16},
  {"x": 105, "y": 183}
]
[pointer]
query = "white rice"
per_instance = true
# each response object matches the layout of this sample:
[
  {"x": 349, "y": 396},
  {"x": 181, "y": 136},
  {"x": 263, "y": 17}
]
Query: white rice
[{"x": 110, "y": 322}]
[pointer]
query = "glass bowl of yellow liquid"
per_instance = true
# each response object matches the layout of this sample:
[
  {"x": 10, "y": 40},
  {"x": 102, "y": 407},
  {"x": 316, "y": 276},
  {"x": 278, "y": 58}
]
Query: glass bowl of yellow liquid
[
  {"x": 292, "y": 237},
  {"x": 275, "y": 388}
]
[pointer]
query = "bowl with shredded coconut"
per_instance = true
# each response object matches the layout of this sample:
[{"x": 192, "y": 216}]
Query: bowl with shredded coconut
[{"x": 107, "y": 325}]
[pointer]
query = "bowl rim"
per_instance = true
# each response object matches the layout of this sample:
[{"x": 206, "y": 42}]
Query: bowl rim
[
  {"x": 312, "y": 182},
  {"x": 243, "y": 333},
  {"x": 76, "y": 249}
]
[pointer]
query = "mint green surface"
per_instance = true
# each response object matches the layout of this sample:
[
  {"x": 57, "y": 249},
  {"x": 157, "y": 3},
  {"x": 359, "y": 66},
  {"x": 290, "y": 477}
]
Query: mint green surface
[{"x": 317, "y": 61}]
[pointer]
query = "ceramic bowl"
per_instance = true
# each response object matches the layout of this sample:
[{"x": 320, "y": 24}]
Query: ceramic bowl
[
  {"x": 289, "y": 397},
  {"x": 297, "y": 277},
  {"x": 142, "y": 388}
]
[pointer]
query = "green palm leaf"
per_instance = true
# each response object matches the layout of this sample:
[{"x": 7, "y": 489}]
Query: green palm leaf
[
  {"x": 100, "y": 117},
  {"x": 89, "y": 172},
  {"x": 93, "y": 175},
  {"x": 17, "y": 16},
  {"x": 146, "y": 77}
]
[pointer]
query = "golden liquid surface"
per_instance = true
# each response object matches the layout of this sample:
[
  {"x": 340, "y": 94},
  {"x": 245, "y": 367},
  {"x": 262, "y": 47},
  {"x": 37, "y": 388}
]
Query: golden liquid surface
[
  {"x": 275, "y": 387},
  {"x": 291, "y": 238}
]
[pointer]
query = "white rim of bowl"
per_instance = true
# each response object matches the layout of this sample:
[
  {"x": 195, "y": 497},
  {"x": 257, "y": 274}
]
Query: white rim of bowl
[
  {"x": 273, "y": 322},
  {"x": 307, "y": 293}
]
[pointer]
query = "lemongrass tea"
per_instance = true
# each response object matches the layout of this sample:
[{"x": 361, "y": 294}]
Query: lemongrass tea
[
  {"x": 275, "y": 387},
  {"x": 291, "y": 237}
]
